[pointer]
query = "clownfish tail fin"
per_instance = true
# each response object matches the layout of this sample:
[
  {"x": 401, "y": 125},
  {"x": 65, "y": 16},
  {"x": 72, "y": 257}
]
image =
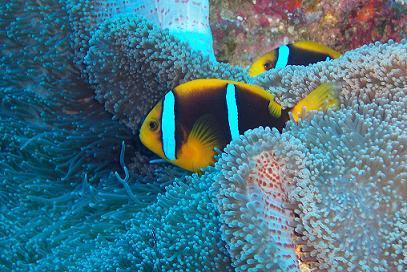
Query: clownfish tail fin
[{"x": 324, "y": 97}]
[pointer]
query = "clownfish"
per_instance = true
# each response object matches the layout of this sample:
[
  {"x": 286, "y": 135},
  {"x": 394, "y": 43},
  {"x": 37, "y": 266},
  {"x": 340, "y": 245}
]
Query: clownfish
[
  {"x": 195, "y": 118},
  {"x": 298, "y": 53}
]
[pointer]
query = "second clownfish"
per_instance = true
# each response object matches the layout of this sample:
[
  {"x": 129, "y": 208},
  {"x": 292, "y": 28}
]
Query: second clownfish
[
  {"x": 196, "y": 117},
  {"x": 298, "y": 53}
]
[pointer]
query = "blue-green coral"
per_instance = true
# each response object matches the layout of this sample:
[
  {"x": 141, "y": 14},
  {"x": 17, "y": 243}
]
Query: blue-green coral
[
  {"x": 62, "y": 207},
  {"x": 132, "y": 63},
  {"x": 180, "y": 231},
  {"x": 56, "y": 188}
]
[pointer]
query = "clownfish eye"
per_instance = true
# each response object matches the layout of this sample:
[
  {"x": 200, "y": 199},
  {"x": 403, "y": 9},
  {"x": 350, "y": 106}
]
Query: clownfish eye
[
  {"x": 268, "y": 65},
  {"x": 153, "y": 125}
]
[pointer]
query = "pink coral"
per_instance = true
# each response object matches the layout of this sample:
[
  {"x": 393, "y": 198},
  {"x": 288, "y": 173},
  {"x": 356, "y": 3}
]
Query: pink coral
[
  {"x": 267, "y": 178},
  {"x": 280, "y": 8}
]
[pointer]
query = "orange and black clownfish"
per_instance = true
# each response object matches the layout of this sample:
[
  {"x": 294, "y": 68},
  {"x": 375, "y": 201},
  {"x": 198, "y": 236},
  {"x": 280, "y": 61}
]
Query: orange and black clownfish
[
  {"x": 196, "y": 117},
  {"x": 298, "y": 53}
]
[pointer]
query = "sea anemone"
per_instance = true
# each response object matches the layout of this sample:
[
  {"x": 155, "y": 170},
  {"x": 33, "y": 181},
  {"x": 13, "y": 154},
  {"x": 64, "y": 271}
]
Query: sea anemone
[
  {"x": 351, "y": 210},
  {"x": 257, "y": 173},
  {"x": 273, "y": 201}
]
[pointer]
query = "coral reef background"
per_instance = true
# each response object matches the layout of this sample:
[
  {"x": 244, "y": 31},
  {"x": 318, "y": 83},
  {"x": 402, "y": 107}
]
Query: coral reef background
[
  {"x": 246, "y": 29},
  {"x": 64, "y": 208}
]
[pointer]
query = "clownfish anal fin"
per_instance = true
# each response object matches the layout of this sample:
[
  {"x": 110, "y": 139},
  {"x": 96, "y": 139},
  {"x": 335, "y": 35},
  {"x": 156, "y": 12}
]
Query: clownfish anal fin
[
  {"x": 275, "y": 109},
  {"x": 323, "y": 97}
]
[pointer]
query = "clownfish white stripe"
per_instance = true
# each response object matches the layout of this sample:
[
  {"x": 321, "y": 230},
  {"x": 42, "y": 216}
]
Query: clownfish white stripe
[
  {"x": 231, "y": 104},
  {"x": 283, "y": 53},
  {"x": 168, "y": 126}
]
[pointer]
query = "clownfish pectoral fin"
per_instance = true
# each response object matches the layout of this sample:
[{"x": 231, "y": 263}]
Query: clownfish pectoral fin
[
  {"x": 198, "y": 151},
  {"x": 275, "y": 109},
  {"x": 203, "y": 132},
  {"x": 203, "y": 137},
  {"x": 322, "y": 98}
]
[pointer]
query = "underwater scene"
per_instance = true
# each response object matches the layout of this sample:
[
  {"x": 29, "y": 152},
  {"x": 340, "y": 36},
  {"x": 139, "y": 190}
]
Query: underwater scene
[{"x": 203, "y": 135}]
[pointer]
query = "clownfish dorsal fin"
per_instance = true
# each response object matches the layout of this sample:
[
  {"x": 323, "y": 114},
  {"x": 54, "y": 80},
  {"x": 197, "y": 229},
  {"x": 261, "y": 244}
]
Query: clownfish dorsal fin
[
  {"x": 322, "y": 98},
  {"x": 275, "y": 109},
  {"x": 317, "y": 47}
]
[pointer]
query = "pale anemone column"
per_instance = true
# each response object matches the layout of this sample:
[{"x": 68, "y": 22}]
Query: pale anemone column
[{"x": 185, "y": 19}]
